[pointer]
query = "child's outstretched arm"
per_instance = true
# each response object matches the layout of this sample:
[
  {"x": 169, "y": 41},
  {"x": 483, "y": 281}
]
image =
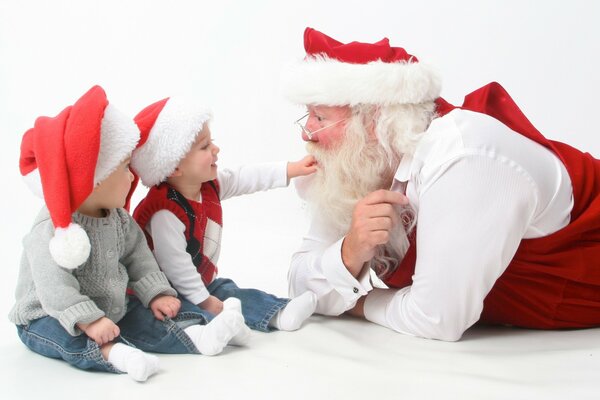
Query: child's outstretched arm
[
  {"x": 251, "y": 178},
  {"x": 305, "y": 166}
]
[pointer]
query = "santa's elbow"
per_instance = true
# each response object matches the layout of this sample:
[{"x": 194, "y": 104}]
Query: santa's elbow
[{"x": 442, "y": 332}]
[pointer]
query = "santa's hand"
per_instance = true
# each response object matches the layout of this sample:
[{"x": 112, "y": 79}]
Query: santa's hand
[
  {"x": 305, "y": 166},
  {"x": 372, "y": 220}
]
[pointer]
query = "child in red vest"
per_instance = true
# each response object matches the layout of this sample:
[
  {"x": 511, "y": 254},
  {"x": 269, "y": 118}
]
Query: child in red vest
[
  {"x": 84, "y": 251},
  {"x": 182, "y": 217}
]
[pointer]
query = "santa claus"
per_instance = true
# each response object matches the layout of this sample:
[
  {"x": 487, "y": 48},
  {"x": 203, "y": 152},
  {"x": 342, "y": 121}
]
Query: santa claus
[{"x": 466, "y": 213}]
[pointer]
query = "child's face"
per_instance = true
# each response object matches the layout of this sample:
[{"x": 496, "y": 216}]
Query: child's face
[
  {"x": 199, "y": 165},
  {"x": 112, "y": 192}
]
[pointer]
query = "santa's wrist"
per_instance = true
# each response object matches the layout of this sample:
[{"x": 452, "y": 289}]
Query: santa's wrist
[{"x": 353, "y": 264}]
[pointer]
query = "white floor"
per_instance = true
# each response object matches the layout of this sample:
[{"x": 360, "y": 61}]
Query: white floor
[
  {"x": 339, "y": 359},
  {"x": 328, "y": 358}
]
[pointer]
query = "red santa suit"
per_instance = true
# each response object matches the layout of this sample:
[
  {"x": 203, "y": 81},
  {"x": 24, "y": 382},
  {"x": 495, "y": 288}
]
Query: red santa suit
[{"x": 552, "y": 281}]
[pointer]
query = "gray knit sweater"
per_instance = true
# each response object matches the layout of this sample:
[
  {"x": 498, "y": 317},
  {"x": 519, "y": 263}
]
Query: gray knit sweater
[{"x": 119, "y": 258}]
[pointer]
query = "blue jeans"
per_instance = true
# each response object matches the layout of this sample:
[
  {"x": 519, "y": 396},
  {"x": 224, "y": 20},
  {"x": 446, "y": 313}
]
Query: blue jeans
[
  {"x": 258, "y": 307},
  {"x": 139, "y": 328}
]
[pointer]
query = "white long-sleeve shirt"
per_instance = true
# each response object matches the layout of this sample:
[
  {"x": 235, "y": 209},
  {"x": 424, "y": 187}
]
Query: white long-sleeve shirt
[
  {"x": 168, "y": 232},
  {"x": 478, "y": 189}
]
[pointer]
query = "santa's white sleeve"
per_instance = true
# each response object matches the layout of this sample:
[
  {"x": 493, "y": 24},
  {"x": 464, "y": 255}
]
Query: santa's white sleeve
[
  {"x": 168, "y": 237},
  {"x": 251, "y": 178},
  {"x": 471, "y": 220},
  {"x": 317, "y": 266}
]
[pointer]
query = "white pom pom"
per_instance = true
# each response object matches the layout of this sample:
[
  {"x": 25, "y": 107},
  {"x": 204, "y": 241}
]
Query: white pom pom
[{"x": 70, "y": 246}]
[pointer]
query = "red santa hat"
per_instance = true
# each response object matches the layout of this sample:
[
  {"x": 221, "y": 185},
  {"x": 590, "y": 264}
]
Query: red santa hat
[
  {"x": 337, "y": 74},
  {"x": 168, "y": 128},
  {"x": 64, "y": 157}
]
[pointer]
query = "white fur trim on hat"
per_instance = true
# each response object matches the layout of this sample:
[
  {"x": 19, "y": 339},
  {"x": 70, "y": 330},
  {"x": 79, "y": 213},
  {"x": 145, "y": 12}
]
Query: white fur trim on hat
[
  {"x": 169, "y": 141},
  {"x": 70, "y": 246},
  {"x": 118, "y": 137},
  {"x": 326, "y": 81}
]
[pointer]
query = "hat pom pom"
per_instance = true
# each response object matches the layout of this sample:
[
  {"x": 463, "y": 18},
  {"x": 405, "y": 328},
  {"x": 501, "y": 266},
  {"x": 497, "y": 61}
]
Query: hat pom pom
[{"x": 70, "y": 246}]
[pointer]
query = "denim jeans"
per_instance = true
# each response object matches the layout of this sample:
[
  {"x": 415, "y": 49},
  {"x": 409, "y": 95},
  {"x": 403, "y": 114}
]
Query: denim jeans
[
  {"x": 258, "y": 307},
  {"x": 139, "y": 328}
]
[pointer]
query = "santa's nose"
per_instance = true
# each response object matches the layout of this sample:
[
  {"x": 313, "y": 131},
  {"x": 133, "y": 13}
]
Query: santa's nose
[{"x": 311, "y": 138}]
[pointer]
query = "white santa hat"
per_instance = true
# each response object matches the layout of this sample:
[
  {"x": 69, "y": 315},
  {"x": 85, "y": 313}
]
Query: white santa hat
[
  {"x": 63, "y": 158},
  {"x": 338, "y": 74},
  {"x": 168, "y": 128}
]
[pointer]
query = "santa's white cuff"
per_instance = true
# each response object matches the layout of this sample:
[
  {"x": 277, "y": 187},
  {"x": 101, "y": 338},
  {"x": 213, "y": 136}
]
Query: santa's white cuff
[{"x": 338, "y": 276}]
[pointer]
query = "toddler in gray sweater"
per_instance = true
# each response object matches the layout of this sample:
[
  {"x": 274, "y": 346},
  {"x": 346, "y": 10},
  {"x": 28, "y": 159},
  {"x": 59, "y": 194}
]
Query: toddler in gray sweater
[{"x": 89, "y": 289}]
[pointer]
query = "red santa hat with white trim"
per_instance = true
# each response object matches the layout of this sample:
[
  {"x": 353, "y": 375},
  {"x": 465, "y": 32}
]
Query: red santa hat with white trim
[
  {"x": 168, "y": 128},
  {"x": 338, "y": 74},
  {"x": 64, "y": 157}
]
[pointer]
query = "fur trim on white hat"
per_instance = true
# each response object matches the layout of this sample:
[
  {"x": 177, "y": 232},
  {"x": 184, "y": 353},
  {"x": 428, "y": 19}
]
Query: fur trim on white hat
[
  {"x": 325, "y": 81},
  {"x": 118, "y": 137},
  {"x": 169, "y": 140},
  {"x": 70, "y": 247}
]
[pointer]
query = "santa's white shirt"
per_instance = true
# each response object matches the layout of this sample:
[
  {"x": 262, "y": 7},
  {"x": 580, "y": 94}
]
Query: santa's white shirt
[{"x": 478, "y": 189}]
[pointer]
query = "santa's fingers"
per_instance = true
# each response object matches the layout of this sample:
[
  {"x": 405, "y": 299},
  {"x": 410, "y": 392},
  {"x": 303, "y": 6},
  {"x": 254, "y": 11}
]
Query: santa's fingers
[
  {"x": 375, "y": 224},
  {"x": 374, "y": 211},
  {"x": 385, "y": 196}
]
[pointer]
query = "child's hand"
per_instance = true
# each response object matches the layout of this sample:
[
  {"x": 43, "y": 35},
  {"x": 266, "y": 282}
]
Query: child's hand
[
  {"x": 306, "y": 166},
  {"x": 101, "y": 331},
  {"x": 165, "y": 306},
  {"x": 212, "y": 305}
]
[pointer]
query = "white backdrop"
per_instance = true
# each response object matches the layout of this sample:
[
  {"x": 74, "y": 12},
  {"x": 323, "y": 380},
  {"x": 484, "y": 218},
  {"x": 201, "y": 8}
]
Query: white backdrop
[{"x": 229, "y": 55}]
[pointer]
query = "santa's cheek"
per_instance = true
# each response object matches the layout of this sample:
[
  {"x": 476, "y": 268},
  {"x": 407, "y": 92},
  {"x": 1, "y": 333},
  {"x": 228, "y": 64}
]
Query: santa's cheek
[{"x": 331, "y": 140}]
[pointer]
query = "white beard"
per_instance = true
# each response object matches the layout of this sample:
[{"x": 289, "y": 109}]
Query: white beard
[
  {"x": 344, "y": 176},
  {"x": 347, "y": 174}
]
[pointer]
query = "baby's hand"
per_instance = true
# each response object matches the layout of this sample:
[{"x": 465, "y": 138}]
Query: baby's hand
[
  {"x": 101, "y": 331},
  {"x": 306, "y": 166},
  {"x": 212, "y": 305},
  {"x": 165, "y": 306}
]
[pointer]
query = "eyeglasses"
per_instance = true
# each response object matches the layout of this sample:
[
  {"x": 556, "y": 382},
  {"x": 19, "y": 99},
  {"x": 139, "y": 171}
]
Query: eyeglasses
[{"x": 301, "y": 122}]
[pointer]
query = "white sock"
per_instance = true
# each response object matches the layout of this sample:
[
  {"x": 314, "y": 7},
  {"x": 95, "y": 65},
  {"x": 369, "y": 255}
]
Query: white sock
[
  {"x": 137, "y": 364},
  {"x": 295, "y": 312},
  {"x": 210, "y": 339},
  {"x": 245, "y": 334}
]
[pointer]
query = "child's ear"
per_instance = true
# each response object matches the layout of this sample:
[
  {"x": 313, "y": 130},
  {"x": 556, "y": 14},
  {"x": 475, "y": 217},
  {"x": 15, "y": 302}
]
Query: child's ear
[{"x": 175, "y": 173}]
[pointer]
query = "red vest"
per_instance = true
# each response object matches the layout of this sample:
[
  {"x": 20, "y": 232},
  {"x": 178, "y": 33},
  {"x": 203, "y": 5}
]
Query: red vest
[
  {"x": 553, "y": 281},
  {"x": 194, "y": 215}
]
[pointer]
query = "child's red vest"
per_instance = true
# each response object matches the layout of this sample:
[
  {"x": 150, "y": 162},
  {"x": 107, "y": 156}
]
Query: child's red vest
[
  {"x": 553, "y": 281},
  {"x": 194, "y": 215}
]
